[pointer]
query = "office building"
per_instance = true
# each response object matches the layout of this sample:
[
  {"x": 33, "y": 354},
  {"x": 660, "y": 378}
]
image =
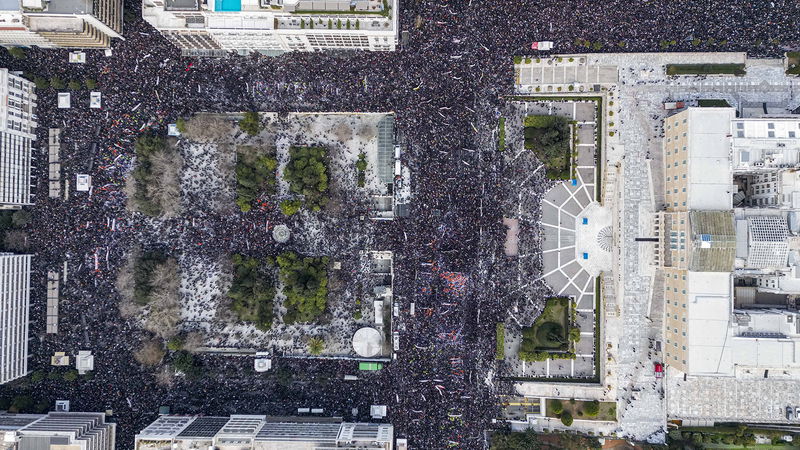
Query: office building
[
  {"x": 15, "y": 273},
  {"x": 17, "y": 133},
  {"x": 272, "y": 27},
  {"x": 62, "y": 23},
  {"x": 250, "y": 432},
  {"x": 730, "y": 247},
  {"x": 57, "y": 431}
]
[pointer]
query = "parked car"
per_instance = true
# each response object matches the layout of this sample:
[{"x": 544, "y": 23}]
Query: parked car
[{"x": 789, "y": 413}]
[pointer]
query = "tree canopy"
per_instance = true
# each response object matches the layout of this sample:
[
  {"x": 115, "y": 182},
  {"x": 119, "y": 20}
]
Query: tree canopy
[
  {"x": 255, "y": 174},
  {"x": 307, "y": 174},
  {"x": 305, "y": 286},
  {"x": 252, "y": 292}
]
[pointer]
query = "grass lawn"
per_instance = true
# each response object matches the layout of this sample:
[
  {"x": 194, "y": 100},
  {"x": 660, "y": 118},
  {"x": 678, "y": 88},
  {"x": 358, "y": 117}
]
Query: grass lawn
[
  {"x": 794, "y": 63},
  {"x": 556, "y": 311},
  {"x": 608, "y": 410},
  {"x": 705, "y": 69}
]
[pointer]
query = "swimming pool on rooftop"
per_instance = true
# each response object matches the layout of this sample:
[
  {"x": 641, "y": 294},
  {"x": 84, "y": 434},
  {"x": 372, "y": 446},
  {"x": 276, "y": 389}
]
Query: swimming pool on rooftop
[{"x": 228, "y": 5}]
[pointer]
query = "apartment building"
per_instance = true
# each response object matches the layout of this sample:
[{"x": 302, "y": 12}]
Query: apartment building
[
  {"x": 731, "y": 260},
  {"x": 15, "y": 273},
  {"x": 62, "y": 23},
  {"x": 17, "y": 133},
  {"x": 57, "y": 430},
  {"x": 272, "y": 27},
  {"x": 253, "y": 432}
]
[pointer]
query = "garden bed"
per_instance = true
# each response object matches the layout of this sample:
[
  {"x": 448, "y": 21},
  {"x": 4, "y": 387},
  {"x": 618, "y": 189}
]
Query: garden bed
[{"x": 582, "y": 410}]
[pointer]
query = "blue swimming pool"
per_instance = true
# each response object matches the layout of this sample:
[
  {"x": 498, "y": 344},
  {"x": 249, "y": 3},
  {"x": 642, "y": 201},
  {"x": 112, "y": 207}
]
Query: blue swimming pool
[{"x": 228, "y": 5}]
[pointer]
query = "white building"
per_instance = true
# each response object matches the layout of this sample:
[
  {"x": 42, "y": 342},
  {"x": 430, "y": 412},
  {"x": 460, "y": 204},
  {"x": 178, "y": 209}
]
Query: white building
[
  {"x": 17, "y": 131},
  {"x": 215, "y": 27},
  {"x": 65, "y": 23},
  {"x": 57, "y": 430},
  {"x": 248, "y": 432},
  {"x": 15, "y": 273}
]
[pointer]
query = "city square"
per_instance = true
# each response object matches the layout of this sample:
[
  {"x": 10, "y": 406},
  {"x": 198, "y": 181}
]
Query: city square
[{"x": 347, "y": 214}]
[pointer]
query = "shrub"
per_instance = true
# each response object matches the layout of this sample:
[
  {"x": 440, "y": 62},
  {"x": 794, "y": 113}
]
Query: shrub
[
  {"x": 361, "y": 168},
  {"x": 556, "y": 407},
  {"x": 571, "y": 87},
  {"x": 566, "y": 419},
  {"x": 316, "y": 346},
  {"x": 518, "y": 60},
  {"x": 571, "y": 59},
  {"x": 90, "y": 84},
  {"x": 74, "y": 85},
  {"x": 180, "y": 124}
]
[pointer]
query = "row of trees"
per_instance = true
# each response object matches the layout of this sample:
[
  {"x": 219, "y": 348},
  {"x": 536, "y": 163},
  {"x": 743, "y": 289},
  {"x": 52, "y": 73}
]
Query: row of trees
[
  {"x": 252, "y": 291},
  {"x": 255, "y": 174},
  {"x": 307, "y": 174},
  {"x": 59, "y": 84},
  {"x": 156, "y": 178},
  {"x": 305, "y": 286}
]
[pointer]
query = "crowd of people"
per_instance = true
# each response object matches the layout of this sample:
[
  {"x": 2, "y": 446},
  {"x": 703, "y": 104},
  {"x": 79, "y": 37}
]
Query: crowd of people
[{"x": 445, "y": 84}]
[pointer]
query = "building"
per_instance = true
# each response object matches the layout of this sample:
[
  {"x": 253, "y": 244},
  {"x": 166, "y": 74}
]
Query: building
[
  {"x": 730, "y": 247},
  {"x": 63, "y": 23},
  {"x": 249, "y": 432},
  {"x": 57, "y": 430},
  {"x": 15, "y": 273},
  {"x": 17, "y": 133},
  {"x": 271, "y": 27}
]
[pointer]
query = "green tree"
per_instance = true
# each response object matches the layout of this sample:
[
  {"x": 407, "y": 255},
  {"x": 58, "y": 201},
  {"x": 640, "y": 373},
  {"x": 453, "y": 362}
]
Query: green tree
[
  {"x": 180, "y": 124},
  {"x": 251, "y": 123},
  {"x": 21, "y": 217},
  {"x": 74, "y": 85},
  {"x": 21, "y": 403},
  {"x": 90, "y": 84},
  {"x": 255, "y": 174},
  {"x": 41, "y": 82},
  {"x": 37, "y": 376},
  {"x": 290, "y": 207},
  {"x": 17, "y": 52},
  {"x": 71, "y": 375},
  {"x": 566, "y": 418},
  {"x": 316, "y": 346},
  {"x": 592, "y": 408},
  {"x": 57, "y": 83},
  {"x": 556, "y": 407},
  {"x": 187, "y": 363}
]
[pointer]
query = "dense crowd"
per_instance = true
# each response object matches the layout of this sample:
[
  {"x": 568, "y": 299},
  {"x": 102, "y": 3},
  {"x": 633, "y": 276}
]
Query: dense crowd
[{"x": 445, "y": 85}]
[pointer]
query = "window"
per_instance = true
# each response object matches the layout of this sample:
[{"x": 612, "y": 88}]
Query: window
[
  {"x": 771, "y": 134},
  {"x": 771, "y": 126}
]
